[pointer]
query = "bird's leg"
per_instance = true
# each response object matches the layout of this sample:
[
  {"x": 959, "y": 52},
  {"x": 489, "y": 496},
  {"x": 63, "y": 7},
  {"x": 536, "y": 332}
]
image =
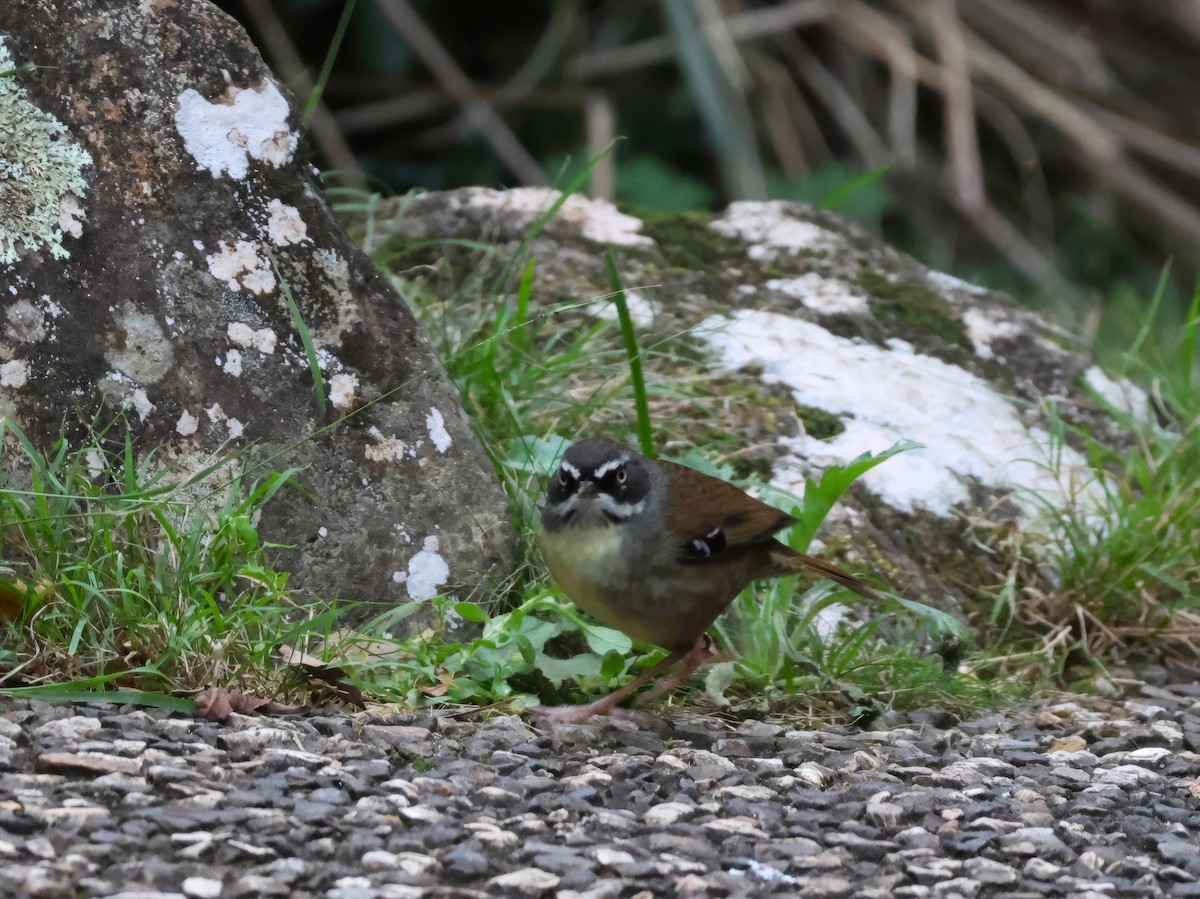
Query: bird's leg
[
  {"x": 577, "y": 714},
  {"x": 704, "y": 650}
]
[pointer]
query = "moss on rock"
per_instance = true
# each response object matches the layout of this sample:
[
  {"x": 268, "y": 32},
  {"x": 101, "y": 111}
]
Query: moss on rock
[{"x": 913, "y": 306}]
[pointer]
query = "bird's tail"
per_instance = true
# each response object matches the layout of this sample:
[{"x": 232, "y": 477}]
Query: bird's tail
[{"x": 787, "y": 561}]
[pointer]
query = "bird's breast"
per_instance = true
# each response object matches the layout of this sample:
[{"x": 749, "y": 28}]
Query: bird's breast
[
  {"x": 626, "y": 586},
  {"x": 584, "y": 560}
]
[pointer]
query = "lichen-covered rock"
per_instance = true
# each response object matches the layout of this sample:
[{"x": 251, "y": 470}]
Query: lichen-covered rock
[
  {"x": 826, "y": 344},
  {"x": 155, "y": 213}
]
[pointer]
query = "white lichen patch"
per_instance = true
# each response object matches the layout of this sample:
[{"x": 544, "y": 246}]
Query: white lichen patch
[
  {"x": 438, "y": 434},
  {"x": 427, "y": 571},
  {"x": 71, "y": 215},
  {"x": 284, "y": 225},
  {"x": 187, "y": 424},
  {"x": 772, "y": 230},
  {"x": 242, "y": 267},
  {"x": 26, "y": 322},
  {"x": 14, "y": 374},
  {"x": 826, "y": 296},
  {"x": 245, "y": 124},
  {"x": 233, "y": 364},
  {"x": 385, "y": 448},
  {"x": 235, "y": 427},
  {"x": 596, "y": 220},
  {"x": 1121, "y": 395},
  {"x": 139, "y": 403},
  {"x": 139, "y": 348},
  {"x": 335, "y": 267},
  {"x": 887, "y": 395},
  {"x": 242, "y": 335},
  {"x": 215, "y": 413},
  {"x": 94, "y": 462},
  {"x": 949, "y": 284},
  {"x": 983, "y": 326},
  {"x": 41, "y": 174},
  {"x": 343, "y": 391}
]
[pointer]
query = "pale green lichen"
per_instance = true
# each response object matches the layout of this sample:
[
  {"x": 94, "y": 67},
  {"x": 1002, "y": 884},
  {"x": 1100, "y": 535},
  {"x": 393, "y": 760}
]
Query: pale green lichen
[{"x": 41, "y": 173}]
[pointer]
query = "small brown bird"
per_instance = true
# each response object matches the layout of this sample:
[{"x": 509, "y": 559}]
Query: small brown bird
[{"x": 658, "y": 550}]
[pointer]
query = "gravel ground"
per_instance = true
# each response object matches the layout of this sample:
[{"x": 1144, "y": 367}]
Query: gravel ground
[{"x": 1089, "y": 798}]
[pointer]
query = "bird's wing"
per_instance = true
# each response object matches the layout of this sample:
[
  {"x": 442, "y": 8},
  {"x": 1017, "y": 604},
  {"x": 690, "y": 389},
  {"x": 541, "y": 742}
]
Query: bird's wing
[{"x": 711, "y": 517}]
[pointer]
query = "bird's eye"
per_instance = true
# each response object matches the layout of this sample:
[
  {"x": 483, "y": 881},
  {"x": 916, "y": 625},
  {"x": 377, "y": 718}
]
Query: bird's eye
[
  {"x": 622, "y": 476},
  {"x": 563, "y": 480}
]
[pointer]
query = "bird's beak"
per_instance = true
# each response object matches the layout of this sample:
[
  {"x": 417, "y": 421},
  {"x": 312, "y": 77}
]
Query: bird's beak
[{"x": 587, "y": 490}]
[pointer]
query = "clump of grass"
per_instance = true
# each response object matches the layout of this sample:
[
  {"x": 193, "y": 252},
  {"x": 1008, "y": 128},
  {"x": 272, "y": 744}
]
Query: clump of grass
[
  {"x": 809, "y": 648},
  {"x": 125, "y": 574},
  {"x": 1123, "y": 556}
]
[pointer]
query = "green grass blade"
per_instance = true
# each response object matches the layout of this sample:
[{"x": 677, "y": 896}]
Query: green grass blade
[
  {"x": 524, "y": 293},
  {"x": 310, "y": 349},
  {"x": 645, "y": 432},
  {"x": 71, "y": 692},
  {"x": 842, "y": 193},
  {"x": 335, "y": 45}
]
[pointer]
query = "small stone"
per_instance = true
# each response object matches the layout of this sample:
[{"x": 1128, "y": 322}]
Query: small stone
[
  {"x": 279, "y": 758},
  {"x": 250, "y": 742},
  {"x": 606, "y": 889},
  {"x": 612, "y": 857},
  {"x": 201, "y": 888},
  {"x": 69, "y": 730},
  {"x": 884, "y": 814},
  {"x": 989, "y": 872},
  {"x": 1038, "y": 842},
  {"x": 1040, "y": 869},
  {"x": 741, "y": 826},
  {"x": 862, "y": 847},
  {"x": 1148, "y": 755},
  {"x": 93, "y": 763},
  {"x": 817, "y": 775},
  {"x": 420, "y": 813},
  {"x": 917, "y": 838},
  {"x": 1128, "y": 776},
  {"x": 667, "y": 813},
  {"x": 465, "y": 862},
  {"x": 749, "y": 792},
  {"x": 497, "y": 796},
  {"x": 532, "y": 882}
]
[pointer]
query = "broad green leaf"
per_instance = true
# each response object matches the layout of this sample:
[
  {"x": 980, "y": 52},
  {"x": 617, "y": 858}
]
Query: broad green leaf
[
  {"x": 821, "y": 496},
  {"x": 584, "y": 665},
  {"x": 471, "y": 612},
  {"x": 603, "y": 640}
]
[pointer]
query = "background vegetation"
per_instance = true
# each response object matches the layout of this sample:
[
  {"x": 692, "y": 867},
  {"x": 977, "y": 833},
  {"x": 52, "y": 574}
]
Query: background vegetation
[{"x": 1046, "y": 146}]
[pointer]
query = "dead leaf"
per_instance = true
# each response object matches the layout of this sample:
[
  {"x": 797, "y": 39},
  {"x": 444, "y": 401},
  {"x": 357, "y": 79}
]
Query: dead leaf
[
  {"x": 334, "y": 676},
  {"x": 217, "y": 704}
]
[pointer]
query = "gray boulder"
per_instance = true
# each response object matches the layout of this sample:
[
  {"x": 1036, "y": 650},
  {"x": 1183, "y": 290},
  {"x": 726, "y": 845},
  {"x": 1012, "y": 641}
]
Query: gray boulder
[
  {"x": 785, "y": 339},
  {"x": 155, "y": 209}
]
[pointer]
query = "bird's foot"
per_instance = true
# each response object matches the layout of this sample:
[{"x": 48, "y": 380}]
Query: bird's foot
[{"x": 580, "y": 714}]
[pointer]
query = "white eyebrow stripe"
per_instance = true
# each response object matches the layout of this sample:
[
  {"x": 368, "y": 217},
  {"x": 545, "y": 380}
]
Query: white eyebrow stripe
[
  {"x": 570, "y": 469},
  {"x": 610, "y": 465}
]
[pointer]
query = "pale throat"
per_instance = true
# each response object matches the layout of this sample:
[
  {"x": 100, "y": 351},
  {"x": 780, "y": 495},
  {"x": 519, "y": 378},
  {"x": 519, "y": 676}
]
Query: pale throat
[{"x": 591, "y": 554}]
